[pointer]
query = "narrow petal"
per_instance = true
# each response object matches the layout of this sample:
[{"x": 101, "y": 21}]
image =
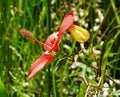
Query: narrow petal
[
  {"x": 39, "y": 64},
  {"x": 52, "y": 42},
  {"x": 79, "y": 34},
  {"x": 66, "y": 23}
]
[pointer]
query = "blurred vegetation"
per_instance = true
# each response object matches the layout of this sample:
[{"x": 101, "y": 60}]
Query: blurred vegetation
[{"x": 94, "y": 71}]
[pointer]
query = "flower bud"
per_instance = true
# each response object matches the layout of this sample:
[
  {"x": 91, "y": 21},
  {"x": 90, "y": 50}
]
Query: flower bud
[{"x": 79, "y": 34}]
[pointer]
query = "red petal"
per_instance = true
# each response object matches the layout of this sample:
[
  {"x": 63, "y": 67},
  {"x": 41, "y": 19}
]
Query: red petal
[
  {"x": 66, "y": 23},
  {"x": 52, "y": 42},
  {"x": 39, "y": 64}
]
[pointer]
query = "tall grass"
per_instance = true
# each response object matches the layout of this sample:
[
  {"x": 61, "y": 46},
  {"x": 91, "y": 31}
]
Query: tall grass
[{"x": 74, "y": 72}]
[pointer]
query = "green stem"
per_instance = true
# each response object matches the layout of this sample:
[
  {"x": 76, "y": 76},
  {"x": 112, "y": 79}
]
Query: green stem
[
  {"x": 66, "y": 65},
  {"x": 54, "y": 82},
  {"x": 113, "y": 34},
  {"x": 73, "y": 46},
  {"x": 20, "y": 4},
  {"x": 48, "y": 16},
  {"x": 57, "y": 4},
  {"x": 49, "y": 31},
  {"x": 61, "y": 82},
  {"x": 115, "y": 12}
]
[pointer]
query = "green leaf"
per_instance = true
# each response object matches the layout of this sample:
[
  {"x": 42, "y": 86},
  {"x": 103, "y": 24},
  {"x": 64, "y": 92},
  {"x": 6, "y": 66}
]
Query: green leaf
[
  {"x": 23, "y": 95},
  {"x": 106, "y": 49},
  {"x": 82, "y": 90},
  {"x": 91, "y": 81},
  {"x": 67, "y": 47},
  {"x": 116, "y": 93},
  {"x": 3, "y": 90}
]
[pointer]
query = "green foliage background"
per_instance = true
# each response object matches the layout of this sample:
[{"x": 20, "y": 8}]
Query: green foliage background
[{"x": 100, "y": 63}]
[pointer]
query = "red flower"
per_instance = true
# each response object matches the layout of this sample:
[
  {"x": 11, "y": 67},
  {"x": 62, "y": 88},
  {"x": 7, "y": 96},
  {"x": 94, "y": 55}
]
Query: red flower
[
  {"x": 67, "y": 22},
  {"x": 39, "y": 64},
  {"x": 79, "y": 34},
  {"x": 51, "y": 44}
]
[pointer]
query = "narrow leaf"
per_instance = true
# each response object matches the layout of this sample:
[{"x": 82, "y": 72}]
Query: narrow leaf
[{"x": 3, "y": 90}]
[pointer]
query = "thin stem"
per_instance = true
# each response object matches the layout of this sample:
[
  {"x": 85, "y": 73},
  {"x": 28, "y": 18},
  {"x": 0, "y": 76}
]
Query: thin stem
[
  {"x": 61, "y": 82},
  {"x": 99, "y": 68},
  {"x": 48, "y": 17},
  {"x": 54, "y": 84},
  {"x": 112, "y": 80},
  {"x": 49, "y": 30},
  {"x": 115, "y": 12}
]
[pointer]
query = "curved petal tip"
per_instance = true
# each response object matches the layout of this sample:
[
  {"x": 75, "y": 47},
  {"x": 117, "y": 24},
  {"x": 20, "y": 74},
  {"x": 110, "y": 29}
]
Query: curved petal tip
[
  {"x": 39, "y": 64},
  {"x": 68, "y": 21}
]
